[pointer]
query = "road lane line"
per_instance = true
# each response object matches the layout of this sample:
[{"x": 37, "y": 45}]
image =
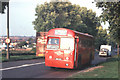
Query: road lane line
[{"x": 25, "y": 65}]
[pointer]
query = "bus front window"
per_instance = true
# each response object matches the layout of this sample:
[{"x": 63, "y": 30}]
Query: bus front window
[
  {"x": 53, "y": 43},
  {"x": 67, "y": 43}
]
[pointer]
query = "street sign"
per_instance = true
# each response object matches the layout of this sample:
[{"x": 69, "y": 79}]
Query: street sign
[
  {"x": 7, "y": 40},
  {"x": 3, "y": 3}
]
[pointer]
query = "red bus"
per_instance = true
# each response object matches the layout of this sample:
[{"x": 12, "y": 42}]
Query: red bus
[
  {"x": 68, "y": 49},
  {"x": 41, "y": 39}
]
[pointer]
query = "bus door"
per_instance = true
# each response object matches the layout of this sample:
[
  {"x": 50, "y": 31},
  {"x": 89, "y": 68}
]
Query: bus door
[{"x": 76, "y": 51}]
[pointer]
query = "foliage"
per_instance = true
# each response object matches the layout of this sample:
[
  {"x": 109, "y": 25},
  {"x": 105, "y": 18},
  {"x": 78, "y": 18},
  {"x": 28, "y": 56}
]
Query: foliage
[
  {"x": 112, "y": 15},
  {"x": 65, "y": 15},
  {"x": 101, "y": 38},
  {"x": 111, "y": 41},
  {"x": 22, "y": 44}
]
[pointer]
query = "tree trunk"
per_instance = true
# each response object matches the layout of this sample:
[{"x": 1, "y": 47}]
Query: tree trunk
[{"x": 118, "y": 49}]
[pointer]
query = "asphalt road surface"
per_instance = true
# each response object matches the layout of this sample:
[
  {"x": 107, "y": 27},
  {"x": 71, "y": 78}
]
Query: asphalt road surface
[{"x": 36, "y": 69}]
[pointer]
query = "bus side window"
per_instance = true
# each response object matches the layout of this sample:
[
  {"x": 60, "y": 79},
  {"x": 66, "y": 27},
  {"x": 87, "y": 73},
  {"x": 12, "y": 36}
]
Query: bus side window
[
  {"x": 84, "y": 43},
  {"x": 89, "y": 43},
  {"x": 92, "y": 43},
  {"x": 81, "y": 42}
]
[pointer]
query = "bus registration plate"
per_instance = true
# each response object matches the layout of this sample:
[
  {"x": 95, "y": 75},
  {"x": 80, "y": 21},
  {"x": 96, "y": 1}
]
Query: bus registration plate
[{"x": 58, "y": 58}]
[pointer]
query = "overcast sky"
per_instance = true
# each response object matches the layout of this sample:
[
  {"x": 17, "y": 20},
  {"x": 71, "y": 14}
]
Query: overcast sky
[{"x": 22, "y": 13}]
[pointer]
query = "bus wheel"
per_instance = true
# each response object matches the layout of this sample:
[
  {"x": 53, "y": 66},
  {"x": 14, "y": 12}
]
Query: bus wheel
[{"x": 79, "y": 62}]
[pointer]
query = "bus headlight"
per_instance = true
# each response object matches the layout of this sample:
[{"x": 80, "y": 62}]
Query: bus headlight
[
  {"x": 67, "y": 64},
  {"x": 50, "y": 57}
]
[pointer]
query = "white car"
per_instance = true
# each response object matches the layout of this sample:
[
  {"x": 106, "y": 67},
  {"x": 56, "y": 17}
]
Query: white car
[{"x": 105, "y": 50}]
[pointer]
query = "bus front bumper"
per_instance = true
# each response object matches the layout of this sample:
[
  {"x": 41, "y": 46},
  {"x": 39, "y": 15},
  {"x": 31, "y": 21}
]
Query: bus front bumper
[{"x": 59, "y": 63}]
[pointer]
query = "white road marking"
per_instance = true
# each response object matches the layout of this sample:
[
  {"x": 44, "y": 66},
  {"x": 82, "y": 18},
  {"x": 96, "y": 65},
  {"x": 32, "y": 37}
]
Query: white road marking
[{"x": 25, "y": 65}]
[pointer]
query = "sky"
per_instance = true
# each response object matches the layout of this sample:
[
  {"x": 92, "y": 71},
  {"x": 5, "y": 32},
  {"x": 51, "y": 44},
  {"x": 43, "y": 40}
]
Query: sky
[{"x": 22, "y": 14}]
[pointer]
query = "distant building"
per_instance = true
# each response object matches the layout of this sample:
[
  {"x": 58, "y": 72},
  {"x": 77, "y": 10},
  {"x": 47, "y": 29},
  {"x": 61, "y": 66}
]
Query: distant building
[
  {"x": 15, "y": 40},
  {"x": 3, "y": 46}
]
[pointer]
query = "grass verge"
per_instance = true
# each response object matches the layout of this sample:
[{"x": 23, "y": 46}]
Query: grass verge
[
  {"x": 21, "y": 57},
  {"x": 109, "y": 70}
]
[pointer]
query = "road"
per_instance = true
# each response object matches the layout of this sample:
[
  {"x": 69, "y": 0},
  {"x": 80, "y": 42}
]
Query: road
[{"x": 37, "y": 69}]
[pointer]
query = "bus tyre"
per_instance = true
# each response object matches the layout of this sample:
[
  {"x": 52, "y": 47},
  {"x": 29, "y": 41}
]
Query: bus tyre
[{"x": 79, "y": 62}]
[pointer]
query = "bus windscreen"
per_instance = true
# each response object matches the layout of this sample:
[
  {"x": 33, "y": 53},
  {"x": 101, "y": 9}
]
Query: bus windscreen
[
  {"x": 53, "y": 43},
  {"x": 67, "y": 43}
]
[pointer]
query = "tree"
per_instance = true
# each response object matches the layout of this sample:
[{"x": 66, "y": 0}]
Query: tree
[
  {"x": 111, "y": 41},
  {"x": 112, "y": 15},
  {"x": 65, "y": 15},
  {"x": 101, "y": 38}
]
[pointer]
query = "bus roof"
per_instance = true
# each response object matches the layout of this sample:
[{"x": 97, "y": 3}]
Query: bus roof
[
  {"x": 65, "y": 32},
  {"x": 86, "y": 34}
]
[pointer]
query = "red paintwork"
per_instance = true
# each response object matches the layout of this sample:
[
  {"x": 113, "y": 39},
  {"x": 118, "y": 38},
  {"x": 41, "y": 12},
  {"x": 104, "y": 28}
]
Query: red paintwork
[
  {"x": 85, "y": 52},
  {"x": 58, "y": 63}
]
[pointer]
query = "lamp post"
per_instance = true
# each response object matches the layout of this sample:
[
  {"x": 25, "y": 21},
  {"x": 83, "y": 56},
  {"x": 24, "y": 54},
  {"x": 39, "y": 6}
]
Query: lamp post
[
  {"x": 7, "y": 3},
  {"x": 8, "y": 56}
]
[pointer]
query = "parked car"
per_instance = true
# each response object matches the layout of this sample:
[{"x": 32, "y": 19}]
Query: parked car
[{"x": 105, "y": 50}]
